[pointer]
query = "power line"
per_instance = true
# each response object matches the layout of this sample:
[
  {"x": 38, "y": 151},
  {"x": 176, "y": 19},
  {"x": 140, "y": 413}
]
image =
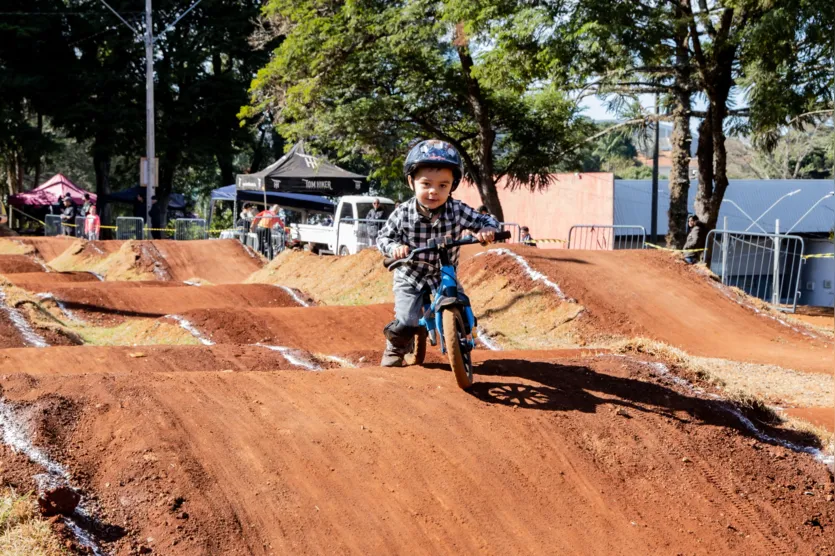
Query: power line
[{"x": 62, "y": 13}]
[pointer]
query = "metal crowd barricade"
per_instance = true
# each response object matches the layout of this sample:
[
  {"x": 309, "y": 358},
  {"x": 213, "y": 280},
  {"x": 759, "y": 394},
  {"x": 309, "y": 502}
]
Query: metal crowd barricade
[
  {"x": 79, "y": 227},
  {"x": 766, "y": 266},
  {"x": 52, "y": 226},
  {"x": 128, "y": 227},
  {"x": 514, "y": 228},
  {"x": 190, "y": 228},
  {"x": 606, "y": 237}
]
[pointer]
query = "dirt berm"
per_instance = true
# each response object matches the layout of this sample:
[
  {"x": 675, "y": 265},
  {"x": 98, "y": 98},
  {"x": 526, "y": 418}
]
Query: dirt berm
[
  {"x": 158, "y": 301},
  {"x": 650, "y": 294}
]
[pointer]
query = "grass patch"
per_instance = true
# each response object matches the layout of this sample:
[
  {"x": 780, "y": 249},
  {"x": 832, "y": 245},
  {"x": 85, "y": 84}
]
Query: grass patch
[
  {"x": 22, "y": 531},
  {"x": 521, "y": 317},
  {"x": 14, "y": 247},
  {"x": 353, "y": 280},
  {"x": 754, "y": 388},
  {"x": 137, "y": 332}
]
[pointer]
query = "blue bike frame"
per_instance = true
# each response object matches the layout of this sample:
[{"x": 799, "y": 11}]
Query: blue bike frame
[{"x": 448, "y": 295}]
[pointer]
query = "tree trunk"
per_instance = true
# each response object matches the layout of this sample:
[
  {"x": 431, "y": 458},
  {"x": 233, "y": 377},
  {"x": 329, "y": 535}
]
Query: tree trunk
[
  {"x": 101, "y": 164},
  {"x": 679, "y": 182},
  {"x": 227, "y": 168},
  {"x": 485, "y": 181},
  {"x": 40, "y": 157}
]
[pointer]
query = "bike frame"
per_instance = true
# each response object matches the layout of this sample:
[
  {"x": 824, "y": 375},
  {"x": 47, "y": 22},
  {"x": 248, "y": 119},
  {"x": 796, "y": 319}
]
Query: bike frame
[{"x": 447, "y": 295}]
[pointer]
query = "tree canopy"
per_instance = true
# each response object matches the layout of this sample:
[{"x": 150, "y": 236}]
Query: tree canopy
[{"x": 370, "y": 77}]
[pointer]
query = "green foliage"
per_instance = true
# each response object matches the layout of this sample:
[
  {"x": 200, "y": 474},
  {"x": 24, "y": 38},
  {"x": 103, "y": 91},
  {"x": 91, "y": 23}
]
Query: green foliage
[{"x": 367, "y": 78}]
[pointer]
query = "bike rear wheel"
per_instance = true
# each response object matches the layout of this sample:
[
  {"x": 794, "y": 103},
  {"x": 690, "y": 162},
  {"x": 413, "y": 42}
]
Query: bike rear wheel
[
  {"x": 455, "y": 340},
  {"x": 418, "y": 353}
]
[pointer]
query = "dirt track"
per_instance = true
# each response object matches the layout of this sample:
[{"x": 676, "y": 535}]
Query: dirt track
[
  {"x": 139, "y": 301},
  {"x": 368, "y": 461},
  {"x": 649, "y": 294},
  {"x": 239, "y": 449}
]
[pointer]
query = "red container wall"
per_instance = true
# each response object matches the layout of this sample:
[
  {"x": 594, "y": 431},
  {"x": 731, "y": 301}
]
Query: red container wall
[{"x": 570, "y": 199}]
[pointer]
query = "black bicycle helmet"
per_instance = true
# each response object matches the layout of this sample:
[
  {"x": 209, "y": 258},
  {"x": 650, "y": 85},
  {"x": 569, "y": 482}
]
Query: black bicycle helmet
[{"x": 435, "y": 154}]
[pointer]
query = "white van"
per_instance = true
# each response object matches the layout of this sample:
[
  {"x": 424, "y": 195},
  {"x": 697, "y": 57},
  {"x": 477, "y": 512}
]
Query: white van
[{"x": 345, "y": 236}]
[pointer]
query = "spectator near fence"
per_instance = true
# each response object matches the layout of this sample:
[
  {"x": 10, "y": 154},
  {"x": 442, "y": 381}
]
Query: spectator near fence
[
  {"x": 92, "y": 224},
  {"x": 694, "y": 237},
  {"x": 526, "y": 238},
  {"x": 85, "y": 208},
  {"x": 374, "y": 213},
  {"x": 264, "y": 223},
  {"x": 156, "y": 220},
  {"x": 68, "y": 217}
]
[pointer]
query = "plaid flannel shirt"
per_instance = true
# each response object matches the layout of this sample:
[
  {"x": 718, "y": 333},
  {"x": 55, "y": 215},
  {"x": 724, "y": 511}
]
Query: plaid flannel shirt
[{"x": 406, "y": 226}]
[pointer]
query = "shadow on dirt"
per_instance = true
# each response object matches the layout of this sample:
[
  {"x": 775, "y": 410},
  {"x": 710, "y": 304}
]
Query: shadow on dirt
[{"x": 579, "y": 388}]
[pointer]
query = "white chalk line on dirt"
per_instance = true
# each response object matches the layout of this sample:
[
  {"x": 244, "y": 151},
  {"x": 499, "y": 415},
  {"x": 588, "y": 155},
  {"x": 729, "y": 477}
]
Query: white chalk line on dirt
[
  {"x": 97, "y": 275},
  {"x": 191, "y": 283},
  {"x": 16, "y": 437},
  {"x": 191, "y": 329},
  {"x": 294, "y": 295},
  {"x": 534, "y": 275},
  {"x": 67, "y": 313},
  {"x": 29, "y": 335},
  {"x": 728, "y": 294},
  {"x": 486, "y": 341},
  {"x": 662, "y": 370},
  {"x": 293, "y": 356}
]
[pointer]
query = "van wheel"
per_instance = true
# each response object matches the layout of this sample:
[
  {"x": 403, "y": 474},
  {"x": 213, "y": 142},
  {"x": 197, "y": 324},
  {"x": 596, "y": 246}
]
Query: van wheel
[{"x": 343, "y": 251}]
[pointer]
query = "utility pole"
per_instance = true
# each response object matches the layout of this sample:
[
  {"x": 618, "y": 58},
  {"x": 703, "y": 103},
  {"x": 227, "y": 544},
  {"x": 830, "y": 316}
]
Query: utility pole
[
  {"x": 653, "y": 233},
  {"x": 149, "y": 112},
  {"x": 150, "y": 154}
]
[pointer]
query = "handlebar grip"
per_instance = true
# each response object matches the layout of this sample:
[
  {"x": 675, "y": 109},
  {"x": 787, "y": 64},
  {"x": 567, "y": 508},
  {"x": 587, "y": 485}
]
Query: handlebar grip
[
  {"x": 388, "y": 261},
  {"x": 500, "y": 236}
]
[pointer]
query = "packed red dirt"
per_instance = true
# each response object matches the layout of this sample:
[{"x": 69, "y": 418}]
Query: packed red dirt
[
  {"x": 138, "y": 301},
  {"x": 235, "y": 448},
  {"x": 652, "y": 295}
]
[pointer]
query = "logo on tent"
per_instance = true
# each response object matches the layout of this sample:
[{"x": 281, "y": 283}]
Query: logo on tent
[
  {"x": 310, "y": 161},
  {"x": 276, "y": 183},
  {"x": 358, "y": 184}
]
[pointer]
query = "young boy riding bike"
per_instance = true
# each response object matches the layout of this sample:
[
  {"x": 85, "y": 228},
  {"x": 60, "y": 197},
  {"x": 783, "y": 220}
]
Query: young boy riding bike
[{"x": 433, "y": 171}]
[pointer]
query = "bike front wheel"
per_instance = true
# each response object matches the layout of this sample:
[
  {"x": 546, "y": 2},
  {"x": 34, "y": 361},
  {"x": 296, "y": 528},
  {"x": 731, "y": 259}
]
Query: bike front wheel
[{"x": 455, "y": 340}]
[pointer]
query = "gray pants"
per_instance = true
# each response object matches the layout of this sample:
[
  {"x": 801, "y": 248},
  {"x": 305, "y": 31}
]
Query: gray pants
[{"x": 408, "y": 309}]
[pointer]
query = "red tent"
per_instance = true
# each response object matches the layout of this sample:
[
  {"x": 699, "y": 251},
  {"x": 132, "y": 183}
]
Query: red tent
[{"x": 50, "y": 193}]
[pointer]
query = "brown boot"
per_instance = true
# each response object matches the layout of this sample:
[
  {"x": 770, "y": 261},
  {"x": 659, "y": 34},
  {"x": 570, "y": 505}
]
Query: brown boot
[{"x": 391, "y": 360}]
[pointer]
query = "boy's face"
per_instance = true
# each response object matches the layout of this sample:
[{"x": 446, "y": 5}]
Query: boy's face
[{"x": 432, "y": 186}]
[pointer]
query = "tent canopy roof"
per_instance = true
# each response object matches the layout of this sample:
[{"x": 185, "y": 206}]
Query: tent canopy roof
[
  {"x": 299, "y": 172},
  {"x": 50, "y": 193}
]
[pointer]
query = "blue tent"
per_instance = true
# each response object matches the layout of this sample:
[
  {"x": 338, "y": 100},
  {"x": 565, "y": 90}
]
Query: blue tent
[
  {"x": 300, "y": 201},
  {"x": 176, "y": 201}
]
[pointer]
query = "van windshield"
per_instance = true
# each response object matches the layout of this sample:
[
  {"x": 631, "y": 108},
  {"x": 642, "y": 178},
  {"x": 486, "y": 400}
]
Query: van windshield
[{"x": 363, "y": 209}]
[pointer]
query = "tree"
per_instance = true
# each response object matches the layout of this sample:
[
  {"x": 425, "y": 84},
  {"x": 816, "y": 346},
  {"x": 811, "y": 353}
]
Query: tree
[
  {"x": 623, "y": 50},
  {"x": 33, "y": 64},
  {"x": 369, "y": 77}
]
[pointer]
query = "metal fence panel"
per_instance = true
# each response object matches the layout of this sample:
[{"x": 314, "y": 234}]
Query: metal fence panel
[
  {"x": 52, "y": 225},
  {"x": 514, "y": 229},
  {"x": 606, "y": 238},
  {"x": 79, "y": 227},
  {"x": 766, "y": 266},
  {"x": 128, "y": 227},
  {"x": 190, "y": 228}
]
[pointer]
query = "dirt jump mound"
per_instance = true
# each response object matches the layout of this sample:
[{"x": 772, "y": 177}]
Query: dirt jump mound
[
  {"x": 15, "y": 264},
  {"x": 650, "y": 294}
]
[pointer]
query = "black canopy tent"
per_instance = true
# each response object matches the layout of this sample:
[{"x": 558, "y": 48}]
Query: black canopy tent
[{"x": 299, "y": 172}]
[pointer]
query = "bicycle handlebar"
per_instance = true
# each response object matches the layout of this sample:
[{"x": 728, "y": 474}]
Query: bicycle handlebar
[{"x": 391, "y": 263}]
